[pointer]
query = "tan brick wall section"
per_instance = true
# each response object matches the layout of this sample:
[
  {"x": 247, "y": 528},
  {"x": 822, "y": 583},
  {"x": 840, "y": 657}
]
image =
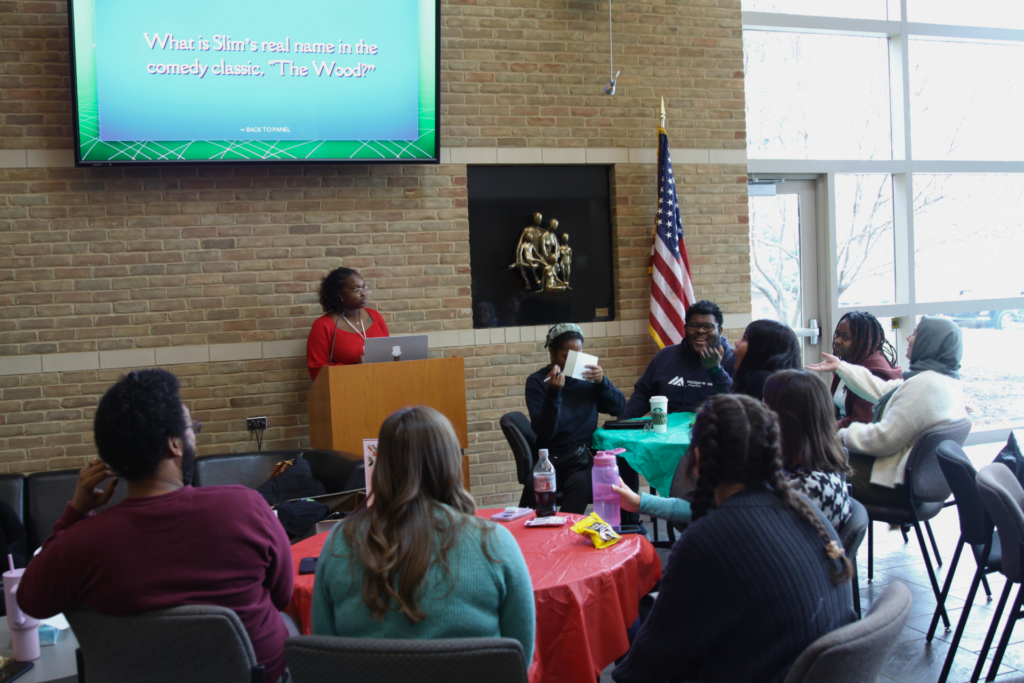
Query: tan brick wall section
[{"x": 119, "y": 259}]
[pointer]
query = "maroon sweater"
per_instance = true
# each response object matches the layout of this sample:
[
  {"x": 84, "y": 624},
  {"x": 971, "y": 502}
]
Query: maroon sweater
[
  {"x": 857, "y": 408},
  {"x": 216, "y": 545}
]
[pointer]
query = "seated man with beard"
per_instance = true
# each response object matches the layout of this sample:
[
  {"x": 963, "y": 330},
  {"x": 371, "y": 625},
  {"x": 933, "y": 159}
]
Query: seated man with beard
[
  {"x": 167, "y": 544},
  {"x": 690, "y": 372}
]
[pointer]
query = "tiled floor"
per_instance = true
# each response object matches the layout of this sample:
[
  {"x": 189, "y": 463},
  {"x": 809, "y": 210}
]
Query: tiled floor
[{"x": 914, "y": 660}]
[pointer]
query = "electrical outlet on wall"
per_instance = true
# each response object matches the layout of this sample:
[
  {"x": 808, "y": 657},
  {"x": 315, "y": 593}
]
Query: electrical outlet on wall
[{"x": 254, "y": 423}]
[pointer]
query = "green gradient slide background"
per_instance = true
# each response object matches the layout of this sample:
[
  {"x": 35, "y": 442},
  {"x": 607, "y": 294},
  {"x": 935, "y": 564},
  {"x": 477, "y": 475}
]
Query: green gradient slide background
[{"x": 93, "y": 150}]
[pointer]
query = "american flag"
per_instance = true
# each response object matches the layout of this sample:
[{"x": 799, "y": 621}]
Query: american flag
[{"x": 671, "y": 286}]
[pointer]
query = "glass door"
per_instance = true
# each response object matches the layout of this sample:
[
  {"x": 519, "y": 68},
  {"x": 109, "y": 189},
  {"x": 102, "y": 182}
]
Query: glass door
[{"x": 783, "y": 259}]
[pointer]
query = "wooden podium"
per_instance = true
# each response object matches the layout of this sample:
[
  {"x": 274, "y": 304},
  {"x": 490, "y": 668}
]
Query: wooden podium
[{"x": 348, "y": 403}]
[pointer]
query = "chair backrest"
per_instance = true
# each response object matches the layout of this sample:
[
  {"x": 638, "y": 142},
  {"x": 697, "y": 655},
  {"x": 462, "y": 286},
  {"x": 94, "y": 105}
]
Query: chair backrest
[
  {"x": 975, "y": 523},
  {"x": 857, "y": 651},
  {"x": 851, "y": 535},
  {"x": 336, "y": 470},
  {"x": 323, "y": 659},
  {"x": 246, "y": 469},
  {"x": 929, "y": 483},
  {"x": 46, "y": 495},
  {"x": 523, "y": 441},
  {"x": 189, "y": 643},
  {"x": 12, "y": 492},
  {"x": 1004, "y": 499}
]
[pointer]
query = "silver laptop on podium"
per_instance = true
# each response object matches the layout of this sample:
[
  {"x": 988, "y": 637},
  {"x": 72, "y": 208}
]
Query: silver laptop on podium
[{"x": 391, "y": 349}]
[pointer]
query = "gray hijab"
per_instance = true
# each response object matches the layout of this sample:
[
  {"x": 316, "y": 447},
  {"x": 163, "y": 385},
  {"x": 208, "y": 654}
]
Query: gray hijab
[{"x": 938, "y": 346}]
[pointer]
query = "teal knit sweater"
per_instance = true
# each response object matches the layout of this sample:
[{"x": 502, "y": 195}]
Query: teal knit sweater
[{"x": 481, "y": 599}]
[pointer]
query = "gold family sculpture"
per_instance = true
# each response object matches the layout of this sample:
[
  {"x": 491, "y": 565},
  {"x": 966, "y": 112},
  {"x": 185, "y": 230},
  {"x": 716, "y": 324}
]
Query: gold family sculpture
[{"x": 542, "y": 260}]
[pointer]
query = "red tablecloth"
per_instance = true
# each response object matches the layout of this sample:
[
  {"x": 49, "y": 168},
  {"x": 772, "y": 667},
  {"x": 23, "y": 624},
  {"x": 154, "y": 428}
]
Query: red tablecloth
[{"x": 586, "y": 598}]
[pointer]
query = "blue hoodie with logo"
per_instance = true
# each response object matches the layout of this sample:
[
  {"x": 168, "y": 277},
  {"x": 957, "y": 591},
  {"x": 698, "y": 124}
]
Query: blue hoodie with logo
[{"x": 676, "y": 372}]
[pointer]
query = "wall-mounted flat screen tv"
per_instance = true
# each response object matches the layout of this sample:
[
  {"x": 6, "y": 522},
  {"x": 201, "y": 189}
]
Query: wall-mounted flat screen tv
[{"x": 230, "y": 81}]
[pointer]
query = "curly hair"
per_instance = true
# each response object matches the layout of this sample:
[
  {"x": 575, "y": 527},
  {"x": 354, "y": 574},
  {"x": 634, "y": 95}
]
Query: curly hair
[
  {"x": 868, "y": 337},
  {"x": 134, "y": 420},
  {"x": 705, "y": 307},
  {"x": 738, "y": 439},
  {"x": 330, "y": 289}
]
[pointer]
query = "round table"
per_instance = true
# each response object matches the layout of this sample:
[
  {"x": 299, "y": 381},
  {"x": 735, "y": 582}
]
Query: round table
[
  {"x": 653, "y": 455},
  {"x": 585, "y": 598}
]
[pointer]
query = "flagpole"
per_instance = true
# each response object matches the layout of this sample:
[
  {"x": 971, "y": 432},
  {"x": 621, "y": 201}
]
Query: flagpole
[{"x": 662, "y": 112}]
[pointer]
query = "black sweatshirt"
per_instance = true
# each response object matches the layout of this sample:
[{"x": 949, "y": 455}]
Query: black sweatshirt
[
  {"x": 676, "y": 372},
  {"x": 566, "y": 419},
  {"x": 746, "y": 590}
]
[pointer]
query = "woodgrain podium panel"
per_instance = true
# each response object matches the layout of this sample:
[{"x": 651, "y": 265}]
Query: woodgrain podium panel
[{"x": 348, "y": 403}]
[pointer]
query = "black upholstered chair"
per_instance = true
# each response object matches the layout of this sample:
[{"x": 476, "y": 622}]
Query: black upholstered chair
[
  {"x": 336, "y": 470},
  {"x": 189, "y": 643},
  {"x": 46, "y": 494},
  {"x": 977, "y": 531},
  {"x": 12, "y": 492},
  {"x": 857, "y": 651},
  {"x": 1003, "y": 498},
  {"x": 523, "y": 442},
  {"x": 324, "y": 659},
  {"x": 926, "y": 491}
]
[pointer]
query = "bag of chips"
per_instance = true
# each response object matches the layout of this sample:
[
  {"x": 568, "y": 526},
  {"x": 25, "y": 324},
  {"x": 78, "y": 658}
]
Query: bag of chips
[{"x": 600, "y": 533}]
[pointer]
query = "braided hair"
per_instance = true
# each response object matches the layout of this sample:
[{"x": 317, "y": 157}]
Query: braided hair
[
  {"x": 738, "y": 439},
  {"x": 868, "y": 337}
]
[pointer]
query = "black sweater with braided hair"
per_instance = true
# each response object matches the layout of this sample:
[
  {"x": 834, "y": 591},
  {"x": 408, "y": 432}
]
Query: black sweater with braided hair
[{"x": 746, "y": 590}]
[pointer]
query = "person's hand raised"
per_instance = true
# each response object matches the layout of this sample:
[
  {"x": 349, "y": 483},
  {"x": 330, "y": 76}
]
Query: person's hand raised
[
  {"x": 593, "y": 373},
  {"x": 830, "y": 364},
  {"x": 555, "y": 378},
  {"x": 710, "y": 358},
  {"x": 628, "y": 500},
  {"x": 88, "y": 495}
]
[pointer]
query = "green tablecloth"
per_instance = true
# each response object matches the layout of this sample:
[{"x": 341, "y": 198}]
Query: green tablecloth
[{"x": 653, "y": 455}]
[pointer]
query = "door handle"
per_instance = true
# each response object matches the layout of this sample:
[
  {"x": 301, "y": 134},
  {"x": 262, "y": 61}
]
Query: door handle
[{"x": 812, "y": 331}]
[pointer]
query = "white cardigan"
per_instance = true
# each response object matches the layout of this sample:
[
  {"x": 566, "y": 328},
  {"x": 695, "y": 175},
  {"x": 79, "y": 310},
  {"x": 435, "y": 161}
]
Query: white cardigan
[{"x": 922, "y": 402}]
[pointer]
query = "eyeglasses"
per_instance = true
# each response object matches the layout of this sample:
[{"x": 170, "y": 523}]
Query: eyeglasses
[
  {"x": 195, "y": 427},
  {"x": 707, "y": 327},
  {"x": 365, "y": 289}
]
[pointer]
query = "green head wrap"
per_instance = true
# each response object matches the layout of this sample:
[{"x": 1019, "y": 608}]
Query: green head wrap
[{"x": 560, "y": 329}]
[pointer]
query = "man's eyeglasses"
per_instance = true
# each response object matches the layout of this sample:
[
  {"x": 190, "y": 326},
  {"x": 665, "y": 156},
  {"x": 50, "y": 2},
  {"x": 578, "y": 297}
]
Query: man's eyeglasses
[
  {"x": 365, "y": 289},
  {"x": 695, "y": 327},
  {"x": 195, "y": 426}
]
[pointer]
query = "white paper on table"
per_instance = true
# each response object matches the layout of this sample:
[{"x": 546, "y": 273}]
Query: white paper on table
[
  {"x": 369, "y": 459},
  {"x": 58, "y": 622},
  {"x": 576, "y": 363}
]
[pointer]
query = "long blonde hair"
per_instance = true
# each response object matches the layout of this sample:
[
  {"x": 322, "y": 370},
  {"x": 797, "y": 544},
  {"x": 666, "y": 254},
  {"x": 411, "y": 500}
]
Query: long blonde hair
[{"x": 407, "y": 528}]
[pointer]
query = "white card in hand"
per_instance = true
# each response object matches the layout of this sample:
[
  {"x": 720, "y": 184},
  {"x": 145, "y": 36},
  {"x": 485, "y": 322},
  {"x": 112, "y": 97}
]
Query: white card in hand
[{"x": 576, "y": 363}]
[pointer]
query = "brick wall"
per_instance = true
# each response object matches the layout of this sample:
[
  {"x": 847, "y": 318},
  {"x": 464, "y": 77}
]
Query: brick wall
[{"x": 192, "y": 267}]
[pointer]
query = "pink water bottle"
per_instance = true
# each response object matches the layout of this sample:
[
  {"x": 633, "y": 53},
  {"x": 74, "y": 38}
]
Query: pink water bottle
[
  {"x": 24, "y": 629},
  {"x": 606, "y": 501}
]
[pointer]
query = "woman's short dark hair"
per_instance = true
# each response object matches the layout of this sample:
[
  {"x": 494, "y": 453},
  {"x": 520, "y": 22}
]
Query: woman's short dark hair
[
  {"x": 134, "y": 420},
  {"x": 330, "y": 289},
  {"x": 738, "y": 439},
  {"x": 705, "y": 307},
  {"x": 771, "y": 346},
  {"x": 868, "y": 337},
  {"x": 807, "y": 422}
]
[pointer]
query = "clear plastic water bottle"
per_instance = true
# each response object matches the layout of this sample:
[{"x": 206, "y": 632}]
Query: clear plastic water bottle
[
  {"x": 606, "y": 501},
  {"x": 544, "y": 486}
]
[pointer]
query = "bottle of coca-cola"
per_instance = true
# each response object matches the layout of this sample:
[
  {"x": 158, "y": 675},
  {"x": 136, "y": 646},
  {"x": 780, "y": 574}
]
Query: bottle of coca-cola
[{"x": 544, "y": 487}]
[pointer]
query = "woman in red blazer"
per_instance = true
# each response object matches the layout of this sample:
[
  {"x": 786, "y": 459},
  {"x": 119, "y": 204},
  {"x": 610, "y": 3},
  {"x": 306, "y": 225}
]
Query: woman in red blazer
[{"x": 859, "y": 339}]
